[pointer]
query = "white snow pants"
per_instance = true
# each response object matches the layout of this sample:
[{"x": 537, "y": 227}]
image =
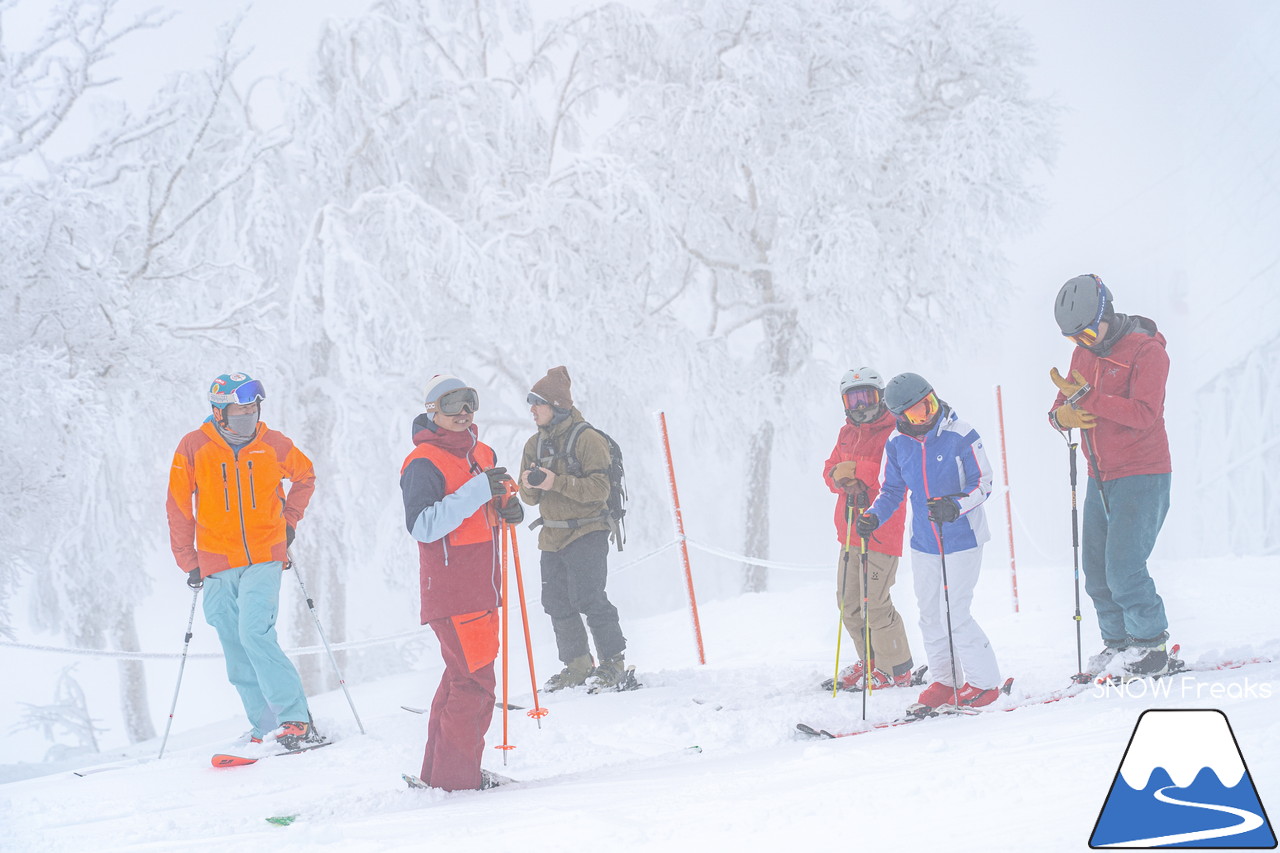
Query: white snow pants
[{"x": 975, "y": 662}]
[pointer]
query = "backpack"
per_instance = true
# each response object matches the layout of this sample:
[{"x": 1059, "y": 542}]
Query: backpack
[{"x": 615, "y": 505}]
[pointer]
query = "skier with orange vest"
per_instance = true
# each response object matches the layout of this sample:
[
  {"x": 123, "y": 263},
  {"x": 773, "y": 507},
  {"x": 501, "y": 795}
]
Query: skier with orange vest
[
  {"x": 454, "y": 496},
  {"x": 230, "y": 526}
]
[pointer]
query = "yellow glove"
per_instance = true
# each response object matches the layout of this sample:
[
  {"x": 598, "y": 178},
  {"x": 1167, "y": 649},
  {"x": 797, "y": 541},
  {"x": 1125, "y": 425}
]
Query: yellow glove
[
  {"x": 844, "y": 473},
  {"x": 1068, "y": 418},
  {"x": 1067, "y": 387}
]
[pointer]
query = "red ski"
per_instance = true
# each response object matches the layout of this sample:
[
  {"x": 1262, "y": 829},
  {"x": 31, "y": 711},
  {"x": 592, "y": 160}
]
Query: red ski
[{"x": 223, "y": 759}]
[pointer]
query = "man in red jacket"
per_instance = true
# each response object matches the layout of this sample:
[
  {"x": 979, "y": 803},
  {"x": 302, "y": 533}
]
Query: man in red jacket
[
  {"x": 853, "y": 472},
  {"x": 1115, "y": 397},
  {"x": 453, "y": 499}
]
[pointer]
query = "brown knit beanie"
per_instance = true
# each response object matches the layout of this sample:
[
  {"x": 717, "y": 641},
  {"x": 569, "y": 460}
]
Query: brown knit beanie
[{"x": 554, "y": 388}]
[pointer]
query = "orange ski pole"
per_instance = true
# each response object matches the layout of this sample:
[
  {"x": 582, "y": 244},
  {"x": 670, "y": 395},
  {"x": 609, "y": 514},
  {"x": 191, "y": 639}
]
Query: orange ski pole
[{"x": 538, "y": 711}]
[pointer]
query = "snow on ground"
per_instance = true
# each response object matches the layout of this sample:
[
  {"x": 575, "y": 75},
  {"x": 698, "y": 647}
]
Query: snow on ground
[{"x": 614, "y": 770}]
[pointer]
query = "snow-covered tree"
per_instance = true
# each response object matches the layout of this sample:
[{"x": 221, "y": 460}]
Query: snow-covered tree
[{"x": 839, "y": 177}]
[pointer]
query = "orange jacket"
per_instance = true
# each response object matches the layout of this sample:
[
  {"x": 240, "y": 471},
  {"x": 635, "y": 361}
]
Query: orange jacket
[{"x": 240, "y": 506}]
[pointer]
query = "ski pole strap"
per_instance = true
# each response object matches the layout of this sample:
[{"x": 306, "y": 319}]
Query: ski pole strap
[{"x": 569, "y": 523}]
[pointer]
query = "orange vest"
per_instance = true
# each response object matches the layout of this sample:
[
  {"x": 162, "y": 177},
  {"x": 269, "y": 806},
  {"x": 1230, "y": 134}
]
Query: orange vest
[{"x": 457, "y": 471}]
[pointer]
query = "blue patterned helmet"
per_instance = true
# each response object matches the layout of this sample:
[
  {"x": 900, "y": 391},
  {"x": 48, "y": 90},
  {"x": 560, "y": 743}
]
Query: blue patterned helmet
[{"x": 235, "y": 388}]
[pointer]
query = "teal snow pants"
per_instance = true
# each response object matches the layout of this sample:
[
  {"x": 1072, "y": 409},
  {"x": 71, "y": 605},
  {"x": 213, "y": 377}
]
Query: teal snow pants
[{"x": 241, "y": 605}]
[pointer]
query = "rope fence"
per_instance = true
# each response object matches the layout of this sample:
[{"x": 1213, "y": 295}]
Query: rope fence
[{"x": 403, "y": 635}]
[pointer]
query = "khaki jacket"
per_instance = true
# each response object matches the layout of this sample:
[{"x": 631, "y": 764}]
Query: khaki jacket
[{"x": 570, "y": 497}]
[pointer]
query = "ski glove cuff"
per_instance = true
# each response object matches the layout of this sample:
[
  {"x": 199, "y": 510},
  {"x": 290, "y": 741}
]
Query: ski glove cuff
[
  {"x": 288, "y": 535},
  {"x": 943, "y": 510},
  {"x": 193, "y": 578},
  {"x": 867, "y": 524}
]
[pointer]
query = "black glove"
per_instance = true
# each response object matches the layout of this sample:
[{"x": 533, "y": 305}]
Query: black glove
[
  {"x": 497, "y": 477},
  {"x": 867, "y": 524},
  {"x": 193, "y": 578},
  {"x": 288, "y": 535},
  {"x": 511, "y": 512},
  {"x": 943, "y": 510}
]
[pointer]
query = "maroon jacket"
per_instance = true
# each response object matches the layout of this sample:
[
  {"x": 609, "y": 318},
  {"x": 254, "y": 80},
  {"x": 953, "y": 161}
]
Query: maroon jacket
[
  {"x": 446, "y": 500},
  {"x": 863, "y": 444},
  {"x": 1128, "y": 400}
]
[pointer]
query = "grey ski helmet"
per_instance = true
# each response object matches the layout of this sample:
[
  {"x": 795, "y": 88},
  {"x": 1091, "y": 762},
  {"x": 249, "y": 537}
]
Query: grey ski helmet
[
  {"x": 904, "y": 391},
  {"x": 861, "y": 376},
  {"x": 1082, "y": 302}
]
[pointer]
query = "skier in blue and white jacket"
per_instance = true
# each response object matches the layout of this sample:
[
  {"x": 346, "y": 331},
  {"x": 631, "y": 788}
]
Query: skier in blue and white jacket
[{"x": 939, "y": 459}]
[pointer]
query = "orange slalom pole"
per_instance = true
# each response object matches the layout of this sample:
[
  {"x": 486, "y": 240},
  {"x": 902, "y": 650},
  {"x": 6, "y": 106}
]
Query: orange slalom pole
[
  {"x": 1008, "y": 500},
  {"x": 684, "y": 547},
  {"x": 538, "y": 711},
  {"x": 504, "y": 746}
]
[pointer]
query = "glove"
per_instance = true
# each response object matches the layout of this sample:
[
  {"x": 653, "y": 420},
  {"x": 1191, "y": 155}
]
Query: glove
[
  {"x": 1068, "y": 417},
  {"x": 844, "y": 472},
  {"x": 288, "y": 535},
  {"x": 1068, "y": 386},
  {"x": 866, "y": 524},
  {"x": 193, "y": 578},
  {"x": 496, "y": 477},
  {"x": 943, "y": 510},
  {"x": 511, "y": 512}
]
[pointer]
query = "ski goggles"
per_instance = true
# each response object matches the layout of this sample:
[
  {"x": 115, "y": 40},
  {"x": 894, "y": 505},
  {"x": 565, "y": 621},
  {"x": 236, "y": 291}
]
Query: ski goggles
[
  {"x": 456, "y": 401},
  {"x": 862, "y": 397},
  {"x": 534, "y": 400},
  {"x": 922, "y": 412},
  {"x": 250, "y": 392}
]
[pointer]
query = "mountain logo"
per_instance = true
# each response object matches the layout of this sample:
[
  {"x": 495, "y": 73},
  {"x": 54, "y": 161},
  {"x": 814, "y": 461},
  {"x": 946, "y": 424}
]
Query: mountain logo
[{"x": 1183, "y": 783}]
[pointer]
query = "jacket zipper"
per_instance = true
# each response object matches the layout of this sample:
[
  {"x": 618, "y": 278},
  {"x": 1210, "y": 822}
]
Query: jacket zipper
[
  {"x": 226, "y": 495},
  {"x": 253, "y": 498},
  {"x": 244, "y": 537}
]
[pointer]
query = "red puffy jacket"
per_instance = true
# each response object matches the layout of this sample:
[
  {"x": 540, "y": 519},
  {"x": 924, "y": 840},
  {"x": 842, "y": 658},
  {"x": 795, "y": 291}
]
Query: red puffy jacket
[{"x": 863, "y": 444}]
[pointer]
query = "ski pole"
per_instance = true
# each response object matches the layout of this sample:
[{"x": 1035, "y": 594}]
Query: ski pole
[
  {"x": 538, "y": 711},
  {"x": 844, "y": 575},
  {"x": 1081, "y": 677},
  {"x": 946, "y": 597},
  {"x": 867, "y": 686},
  {"x": 186, "y": 643},
  {"x": 505, "y": 746},
  {"x": 320, "y": 628}
]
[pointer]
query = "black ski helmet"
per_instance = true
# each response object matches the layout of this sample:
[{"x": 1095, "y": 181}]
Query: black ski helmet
[
  {"x": 1082, "y": 302},
  {"x": 904, "y": 391}
]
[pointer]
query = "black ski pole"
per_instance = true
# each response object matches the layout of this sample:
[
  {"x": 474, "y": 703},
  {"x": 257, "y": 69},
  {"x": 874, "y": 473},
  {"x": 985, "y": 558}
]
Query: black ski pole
[
  {"x": 320, "y": 628},
  {"x": 1081, "y": 677},
  {"x": 186, "y": 643},
  {"x": 946, "y": 597}
]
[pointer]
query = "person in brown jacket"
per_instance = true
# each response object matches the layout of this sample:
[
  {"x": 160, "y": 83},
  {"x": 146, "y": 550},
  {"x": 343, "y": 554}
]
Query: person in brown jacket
[{"x": 564, "y": 472}]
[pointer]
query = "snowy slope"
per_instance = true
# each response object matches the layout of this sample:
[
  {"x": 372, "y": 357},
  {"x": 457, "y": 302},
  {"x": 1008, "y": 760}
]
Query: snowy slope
[{"x": 614, "y": 767}]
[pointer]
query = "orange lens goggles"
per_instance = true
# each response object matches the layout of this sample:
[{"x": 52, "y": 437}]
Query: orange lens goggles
[
  {"x": 924, "y": 411},
  {"x": 1086, "y": 337}
]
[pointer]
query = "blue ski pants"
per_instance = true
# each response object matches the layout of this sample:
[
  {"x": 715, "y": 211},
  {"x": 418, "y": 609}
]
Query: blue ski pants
[
  {"x": 1118, "y": 539},
  {"x": 241, "y": 605}
]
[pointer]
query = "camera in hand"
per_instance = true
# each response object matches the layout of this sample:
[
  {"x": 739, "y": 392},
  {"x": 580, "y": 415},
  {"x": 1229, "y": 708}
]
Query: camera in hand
[{"x": 536, "y": 475}]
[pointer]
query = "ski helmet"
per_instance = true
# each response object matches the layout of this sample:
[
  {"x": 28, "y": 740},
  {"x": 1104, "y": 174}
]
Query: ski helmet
[
  {"x": 859, "y": 377},
  {"x": 862, "y": 392},
  {"x": 1082, "y": 304},
  {"x": 904, "y": 391},
  {"x": 230, "y": 388},
  {"x": 448, "y": 394}
]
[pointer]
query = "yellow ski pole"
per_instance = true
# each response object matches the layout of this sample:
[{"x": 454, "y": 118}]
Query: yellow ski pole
[{"x": 844, "y": 573}]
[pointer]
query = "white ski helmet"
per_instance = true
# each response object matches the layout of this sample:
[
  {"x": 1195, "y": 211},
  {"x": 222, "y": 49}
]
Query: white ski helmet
[{"x": 861, "y": 376}]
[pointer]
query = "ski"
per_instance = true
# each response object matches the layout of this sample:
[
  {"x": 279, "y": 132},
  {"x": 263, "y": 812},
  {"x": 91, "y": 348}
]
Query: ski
[
  {"x": 913, "y": 714},
  {"x": 917, "y": 678},
  {"x": 223, "y": 759},
  {"x": 414, "y": 710},
  {"x": 1177, "y": 666}
]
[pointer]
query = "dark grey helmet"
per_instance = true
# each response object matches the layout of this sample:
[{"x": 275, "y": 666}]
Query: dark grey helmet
[
  {"x": 904, "y": 391},
  {"x": 1081, "y": 302}
]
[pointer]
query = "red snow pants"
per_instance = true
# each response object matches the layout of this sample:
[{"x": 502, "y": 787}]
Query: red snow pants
[{"x": 463, "y": 704}]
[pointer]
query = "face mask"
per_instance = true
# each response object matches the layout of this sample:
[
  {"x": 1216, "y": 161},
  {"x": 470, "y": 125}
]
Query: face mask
[{"x": 243, "y": 424}]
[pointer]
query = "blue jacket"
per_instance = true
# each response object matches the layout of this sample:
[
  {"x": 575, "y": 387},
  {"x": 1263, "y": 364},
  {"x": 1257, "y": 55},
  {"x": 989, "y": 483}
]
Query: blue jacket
[{"x": 948, "y": 461}]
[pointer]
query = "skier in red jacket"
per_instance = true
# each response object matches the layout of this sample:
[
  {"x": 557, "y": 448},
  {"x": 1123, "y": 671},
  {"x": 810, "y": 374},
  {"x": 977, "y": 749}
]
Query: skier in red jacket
[
  {"x": 853, "y": 472},
  {"x": 1115, "y": 397}
]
